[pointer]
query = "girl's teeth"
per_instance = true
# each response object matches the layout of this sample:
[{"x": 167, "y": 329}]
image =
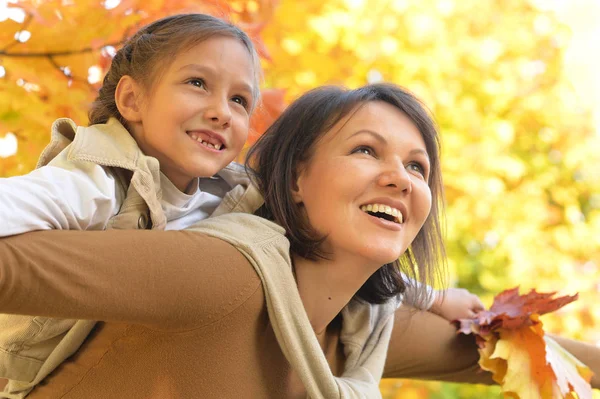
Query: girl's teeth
[{"x": 206, "y": 143}]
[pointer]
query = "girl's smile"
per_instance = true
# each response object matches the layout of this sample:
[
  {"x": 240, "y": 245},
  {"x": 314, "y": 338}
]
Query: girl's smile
[{"x": 195, "y": 119}]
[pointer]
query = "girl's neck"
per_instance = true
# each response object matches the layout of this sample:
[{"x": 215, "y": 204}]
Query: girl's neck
[
  {"x": 326, "y": 286},
  {"x": 185, "y": 185}
]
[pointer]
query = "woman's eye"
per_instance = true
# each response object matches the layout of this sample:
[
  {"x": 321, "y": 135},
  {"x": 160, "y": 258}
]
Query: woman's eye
[
  {"x": 240, "y": 100},
  {"x": 364, "y": 150},
  {"x": 417, "y": 167},
  {"x": 197, "y": 82}
]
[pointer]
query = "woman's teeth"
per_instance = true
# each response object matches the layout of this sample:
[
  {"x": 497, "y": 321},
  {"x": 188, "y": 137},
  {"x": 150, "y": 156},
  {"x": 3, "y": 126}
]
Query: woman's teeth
[{"x": 384, "y": 209}]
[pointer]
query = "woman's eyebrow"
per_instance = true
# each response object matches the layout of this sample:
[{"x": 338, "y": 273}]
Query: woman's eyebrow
[
  {"x": 419, "y": 151},
  {"x": 375, "y": 135},
  {"x": 382, "y": 140}
]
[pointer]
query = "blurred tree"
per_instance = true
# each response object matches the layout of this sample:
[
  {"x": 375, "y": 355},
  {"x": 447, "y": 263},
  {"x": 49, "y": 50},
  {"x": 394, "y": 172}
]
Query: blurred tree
[
  {"x": 520, "y": 158},
  {"x": 521, "y": 164},
  {"x": 54, "y": 54}
]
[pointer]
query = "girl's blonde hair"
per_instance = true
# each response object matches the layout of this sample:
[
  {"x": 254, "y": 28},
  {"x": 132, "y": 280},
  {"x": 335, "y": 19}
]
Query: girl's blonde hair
[{"x": 147, "y": 54}]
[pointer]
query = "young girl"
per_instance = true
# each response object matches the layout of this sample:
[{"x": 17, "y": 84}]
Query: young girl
[{"x": 172, "y": 114}]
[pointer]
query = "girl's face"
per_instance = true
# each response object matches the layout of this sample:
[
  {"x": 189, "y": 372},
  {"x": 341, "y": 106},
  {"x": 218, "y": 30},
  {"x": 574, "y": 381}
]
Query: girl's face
[
  {"x": 195, "y": 120},
  {"x": 365, "y": 186}
]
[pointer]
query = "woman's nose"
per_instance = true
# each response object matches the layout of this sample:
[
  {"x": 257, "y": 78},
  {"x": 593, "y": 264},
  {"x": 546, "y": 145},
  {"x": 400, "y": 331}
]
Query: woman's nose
[{"x": 396, "y": 177}]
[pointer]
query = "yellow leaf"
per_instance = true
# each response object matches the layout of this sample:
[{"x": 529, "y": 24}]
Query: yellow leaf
[{"x": 571, "y": 374}]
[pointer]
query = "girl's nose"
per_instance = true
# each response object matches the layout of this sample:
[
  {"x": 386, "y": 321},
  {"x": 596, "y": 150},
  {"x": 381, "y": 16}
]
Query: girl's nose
[{"x": 219, "y": 113}]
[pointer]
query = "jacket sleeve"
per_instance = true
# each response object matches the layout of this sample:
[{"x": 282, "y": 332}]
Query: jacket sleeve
[
  {"x": 426, "y": 346},
  {"x": 417, "y": 295},
  {"x": 68, "y": 195},
  {"x": 166, "y": 280}
]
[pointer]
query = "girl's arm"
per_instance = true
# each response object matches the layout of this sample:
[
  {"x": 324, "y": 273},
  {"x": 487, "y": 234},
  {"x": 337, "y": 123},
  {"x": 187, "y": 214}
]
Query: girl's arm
[
  {"x": 451, "y": 304},
  {"x": 164, "y": 280},
  {"x": 426, "y": 346},
  {"x": 63, "y": 195}
]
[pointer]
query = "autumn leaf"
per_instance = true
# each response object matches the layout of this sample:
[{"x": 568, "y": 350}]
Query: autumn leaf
[
  {"x": 513, "y": 347},
  {"x": 572, "y": 375},
  {"x": 511, "y": 310}
]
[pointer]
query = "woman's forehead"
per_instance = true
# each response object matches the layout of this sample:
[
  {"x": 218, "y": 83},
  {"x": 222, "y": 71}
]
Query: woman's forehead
[{"x": 379, "y": 116}]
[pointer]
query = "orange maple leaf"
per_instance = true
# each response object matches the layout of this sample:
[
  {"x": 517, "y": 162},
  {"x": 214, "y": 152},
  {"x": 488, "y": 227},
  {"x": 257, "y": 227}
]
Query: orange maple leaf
[{"x": 513, "y": 347}]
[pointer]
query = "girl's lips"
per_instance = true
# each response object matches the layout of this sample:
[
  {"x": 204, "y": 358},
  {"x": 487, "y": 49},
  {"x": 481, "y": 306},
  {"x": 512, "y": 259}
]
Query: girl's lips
[
  {"x": 207, "y": 141},
  {"x": 208, "y": 137},
  {"x": 207, "y": 146}
]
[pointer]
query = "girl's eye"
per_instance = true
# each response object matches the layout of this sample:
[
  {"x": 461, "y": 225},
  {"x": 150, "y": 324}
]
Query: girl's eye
[
  {"x": 240, "y": 100},
  {"x": 197, "y": 82},
  {"x": 363, "y": 149}
]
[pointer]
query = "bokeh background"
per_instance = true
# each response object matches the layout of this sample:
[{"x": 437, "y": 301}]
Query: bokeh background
[{"x": 514, "y": 86}]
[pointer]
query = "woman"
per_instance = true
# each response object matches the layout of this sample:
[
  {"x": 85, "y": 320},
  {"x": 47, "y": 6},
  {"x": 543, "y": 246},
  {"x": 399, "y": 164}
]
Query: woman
[{"x": 353, "y": 179}]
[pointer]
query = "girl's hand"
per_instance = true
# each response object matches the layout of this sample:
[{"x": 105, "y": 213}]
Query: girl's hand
[{"x": 456, "y": 303}]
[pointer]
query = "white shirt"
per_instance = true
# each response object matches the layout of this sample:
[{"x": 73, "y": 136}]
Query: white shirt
[
  {"x": 184, "y": 209},
  {"x": 80, "y": 195}
]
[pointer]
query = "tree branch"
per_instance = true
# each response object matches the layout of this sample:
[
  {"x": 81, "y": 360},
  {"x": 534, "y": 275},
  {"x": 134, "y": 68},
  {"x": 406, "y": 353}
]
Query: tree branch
[
  {"x": 25, "y": 26},
  {"x": 4, "y": 53}
]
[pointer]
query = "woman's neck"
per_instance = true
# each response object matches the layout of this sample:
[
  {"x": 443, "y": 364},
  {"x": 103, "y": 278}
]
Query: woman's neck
[{"x": 326, "y": 286}]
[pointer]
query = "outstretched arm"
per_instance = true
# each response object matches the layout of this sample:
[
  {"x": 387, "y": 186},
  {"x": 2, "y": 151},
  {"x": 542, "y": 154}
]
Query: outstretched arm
[
  {"x": 65, "y": 195},
  {"x": 166, "y": 280},
  {"x": 426, "y": 346}
]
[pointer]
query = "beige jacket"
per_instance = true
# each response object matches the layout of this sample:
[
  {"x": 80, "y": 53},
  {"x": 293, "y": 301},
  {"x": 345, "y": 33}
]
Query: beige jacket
[
  {"x": 31, "y": 347},
  {"x": 180, "y": 312},
  {"x": 366, "y": 328},
  {"x": 186, "y": 317}
]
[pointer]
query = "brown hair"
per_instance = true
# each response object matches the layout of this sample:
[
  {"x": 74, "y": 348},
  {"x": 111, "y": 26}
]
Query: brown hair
[
  {"x": 291, "y": 141},
  {"x": 147, "y": 53}
]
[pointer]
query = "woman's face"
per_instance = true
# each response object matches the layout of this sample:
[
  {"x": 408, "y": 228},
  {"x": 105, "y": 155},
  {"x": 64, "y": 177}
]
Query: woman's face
[{"x": 365, "y": 186}]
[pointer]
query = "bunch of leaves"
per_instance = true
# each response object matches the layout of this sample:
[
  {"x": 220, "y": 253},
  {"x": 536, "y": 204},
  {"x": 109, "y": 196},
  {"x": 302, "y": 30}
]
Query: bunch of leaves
[{"x": 521, "y": 357}]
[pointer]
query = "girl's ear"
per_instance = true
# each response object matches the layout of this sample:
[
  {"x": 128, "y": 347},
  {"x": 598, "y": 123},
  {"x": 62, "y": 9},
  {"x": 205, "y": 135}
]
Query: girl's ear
[
  {"x": 127, "y": 98},
  {"x": 297, "y": 185}
]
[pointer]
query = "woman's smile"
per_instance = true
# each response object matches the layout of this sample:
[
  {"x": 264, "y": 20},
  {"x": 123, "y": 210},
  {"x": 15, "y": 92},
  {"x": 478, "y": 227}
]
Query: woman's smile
[
  {"x": 365, "y": 187},
  {"x": 388, "y": 222}
]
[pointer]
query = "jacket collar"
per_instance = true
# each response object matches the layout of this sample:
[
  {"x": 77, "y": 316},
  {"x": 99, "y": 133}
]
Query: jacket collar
[
  {"x": 244, "y": 197},
  {"x": 108, "y": 144}
]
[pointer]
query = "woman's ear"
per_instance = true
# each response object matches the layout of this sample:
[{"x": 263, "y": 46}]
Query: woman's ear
[{"x": 127, "y": 98}]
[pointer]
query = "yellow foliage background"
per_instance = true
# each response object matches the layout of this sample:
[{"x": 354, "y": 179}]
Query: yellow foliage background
[{"x": 521, "y": 156}]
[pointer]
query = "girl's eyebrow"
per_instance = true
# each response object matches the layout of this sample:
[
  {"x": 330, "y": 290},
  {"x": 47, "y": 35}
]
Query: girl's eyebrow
[
  {"x": 211, "y": 71},
  {"x": 383, "y": 141},
  {"x": 197, "y": 67}
]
